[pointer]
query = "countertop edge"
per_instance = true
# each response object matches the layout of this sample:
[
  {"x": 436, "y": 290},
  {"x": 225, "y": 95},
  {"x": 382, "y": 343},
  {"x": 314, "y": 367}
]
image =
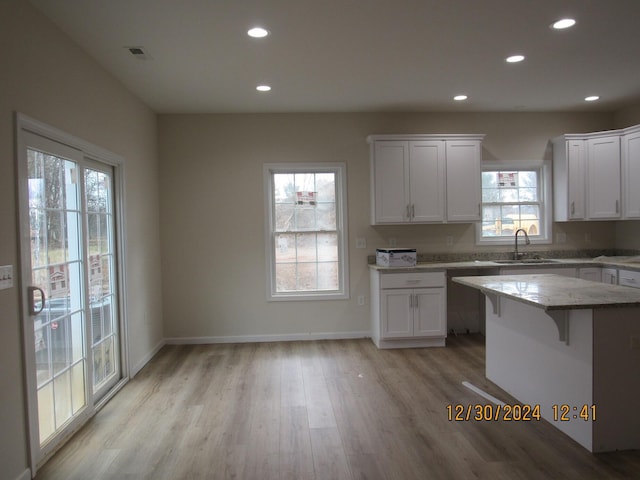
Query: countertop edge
[
  {"x": 473, "y": 282},
  {"x": 486, "y": 264}
]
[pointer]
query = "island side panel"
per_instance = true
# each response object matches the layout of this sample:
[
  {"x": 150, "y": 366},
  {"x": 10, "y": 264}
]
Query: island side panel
[
  {"x": 525, "y": 357},
  {"x": 616, "y": 379}
]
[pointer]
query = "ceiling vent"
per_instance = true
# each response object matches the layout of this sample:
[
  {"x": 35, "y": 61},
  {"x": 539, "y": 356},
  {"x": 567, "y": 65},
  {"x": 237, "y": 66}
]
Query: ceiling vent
[{"x": 139, "y": 52}]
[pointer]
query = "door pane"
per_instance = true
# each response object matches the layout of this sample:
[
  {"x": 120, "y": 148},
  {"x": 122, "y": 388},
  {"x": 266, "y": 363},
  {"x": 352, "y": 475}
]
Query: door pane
[
  {"x": 57, "y": 268},
  {"x": 98, "y": 204}
]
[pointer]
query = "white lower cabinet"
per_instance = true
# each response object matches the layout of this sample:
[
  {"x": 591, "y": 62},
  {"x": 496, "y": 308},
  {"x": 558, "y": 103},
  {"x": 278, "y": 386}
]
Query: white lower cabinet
[
  {"x": 590, "y": 273},
  {"x": 629, "y": 278},
  {"x": 408, "y": 309}
]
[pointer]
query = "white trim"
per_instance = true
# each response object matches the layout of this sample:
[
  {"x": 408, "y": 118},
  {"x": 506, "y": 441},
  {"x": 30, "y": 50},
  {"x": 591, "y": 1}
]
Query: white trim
[
  {"x": 146, "y": 359},
  {"x": 23, "y": 122},
  {"x": 425, "y": 136},
  {"x": 26, "y": 475},
  {"x": 342, "y": 227},
  {"x": 545, "y": 190},
  {"x": 482, "y": 393},
  {"x": 291, "y": 337}
]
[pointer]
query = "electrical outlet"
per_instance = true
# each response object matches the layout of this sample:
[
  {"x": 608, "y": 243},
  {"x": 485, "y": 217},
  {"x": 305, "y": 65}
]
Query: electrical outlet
[
  {"x": 393, "y": 242},
  {"x": 361, "y": 243},
  {"x": 561, "y": 237},
  {"x": 587, "y": 238},
  {"x": 360, "y": 300},
  {"x": 449, "y": 240},
  {"x": 6, "y": 276}
]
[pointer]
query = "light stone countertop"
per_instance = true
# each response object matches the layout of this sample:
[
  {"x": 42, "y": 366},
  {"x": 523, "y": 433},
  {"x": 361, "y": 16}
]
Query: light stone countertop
[
  {"x": 554, "y": 292},
  {"x": 628, "y": 263}
]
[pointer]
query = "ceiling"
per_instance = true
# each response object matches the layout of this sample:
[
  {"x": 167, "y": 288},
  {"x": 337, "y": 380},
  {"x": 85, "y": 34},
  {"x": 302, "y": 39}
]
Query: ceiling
[{"x": 362, "y": 55}]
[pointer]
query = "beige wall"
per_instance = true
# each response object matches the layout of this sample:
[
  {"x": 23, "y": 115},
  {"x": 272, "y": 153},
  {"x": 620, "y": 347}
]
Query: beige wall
[
  {"x": 47, "y": 77},
  {"x": 213, "y": 216}
]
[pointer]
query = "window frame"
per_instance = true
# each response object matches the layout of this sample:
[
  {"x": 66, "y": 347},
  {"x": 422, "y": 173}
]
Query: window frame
[
  {"x": 545, "y": 194},
  {"x": 340, "y": 171}
]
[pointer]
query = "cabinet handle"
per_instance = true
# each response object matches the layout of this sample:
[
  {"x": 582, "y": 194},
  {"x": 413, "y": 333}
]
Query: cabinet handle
[
  {"x": 617, "y": 206},
  {"x": 573, "y": 208},
  {"x": 479, "y": 209},
  {"x": 408, "y": 215},
  {"x": 411, "y": 301},
  {"x": 417, "y": 305},
  {"x": 413, "y": 211}
]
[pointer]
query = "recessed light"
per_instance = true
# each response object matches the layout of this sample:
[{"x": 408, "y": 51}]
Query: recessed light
[
  {"x": 591, "y": 98},
  {"x": 459, "y": 98},
  {"x": 258, "y": 32},
  {"x": 563, "y": 23},
  {"x": 263, "y": 88},
  {"x": 515, "y": 58}
]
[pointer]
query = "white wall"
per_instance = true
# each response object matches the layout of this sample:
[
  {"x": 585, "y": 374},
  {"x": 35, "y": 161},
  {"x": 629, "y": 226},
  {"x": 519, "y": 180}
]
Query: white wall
[
  {"x": 212, "y": 208},
  {"x": 49, "y": 78}
]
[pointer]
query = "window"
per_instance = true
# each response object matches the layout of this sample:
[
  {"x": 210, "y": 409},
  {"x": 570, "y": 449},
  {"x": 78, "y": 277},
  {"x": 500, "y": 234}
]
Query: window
[
  {"x": 514, "y": 196},
  {"x": 306, "y": 225}
]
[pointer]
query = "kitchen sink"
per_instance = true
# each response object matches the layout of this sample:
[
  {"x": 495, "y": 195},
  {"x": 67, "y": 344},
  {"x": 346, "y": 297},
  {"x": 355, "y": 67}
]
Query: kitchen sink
[{"x": 525, "y": 260}]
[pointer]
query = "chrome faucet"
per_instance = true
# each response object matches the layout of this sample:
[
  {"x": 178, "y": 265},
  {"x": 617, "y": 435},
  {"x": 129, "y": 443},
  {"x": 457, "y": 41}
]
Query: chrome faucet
[{"x": 516, "y": 255}]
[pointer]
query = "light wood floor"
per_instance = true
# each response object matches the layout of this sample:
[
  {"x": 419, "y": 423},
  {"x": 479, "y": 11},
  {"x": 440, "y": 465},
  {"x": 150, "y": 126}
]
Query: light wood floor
[{"x": 318, "y": 410}]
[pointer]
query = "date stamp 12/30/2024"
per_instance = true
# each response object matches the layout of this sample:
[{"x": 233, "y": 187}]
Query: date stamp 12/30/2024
[{"x": 518, "y": 413}]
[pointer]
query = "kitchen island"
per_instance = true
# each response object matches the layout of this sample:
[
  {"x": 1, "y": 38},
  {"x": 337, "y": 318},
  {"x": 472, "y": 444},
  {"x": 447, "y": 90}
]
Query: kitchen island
[{"x": 572, "y": 347}]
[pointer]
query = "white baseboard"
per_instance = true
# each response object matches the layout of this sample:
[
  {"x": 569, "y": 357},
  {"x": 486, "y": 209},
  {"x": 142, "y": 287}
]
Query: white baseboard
[
  {"x": 138, "y": 366},
  {"x": 266, "y": 338},
  {"x": 26, "y": 475}
]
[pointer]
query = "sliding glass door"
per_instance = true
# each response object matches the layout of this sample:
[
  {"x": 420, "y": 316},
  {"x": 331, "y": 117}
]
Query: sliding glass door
[{"x": 70, "y": 279}]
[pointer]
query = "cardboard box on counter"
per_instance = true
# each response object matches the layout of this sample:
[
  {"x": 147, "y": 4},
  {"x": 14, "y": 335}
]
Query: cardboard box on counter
[{"x": 396, "y": 257}]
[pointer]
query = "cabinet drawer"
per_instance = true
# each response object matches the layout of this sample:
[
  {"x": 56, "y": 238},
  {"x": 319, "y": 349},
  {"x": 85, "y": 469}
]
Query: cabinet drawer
[
  {"x": 629, "y": 278},
  {"x": 412, "y": 280}
]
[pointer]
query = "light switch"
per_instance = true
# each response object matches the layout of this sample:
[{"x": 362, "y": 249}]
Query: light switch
[
  {"x": 6, "y": 276},
  {"x": 361, "y": 243}
]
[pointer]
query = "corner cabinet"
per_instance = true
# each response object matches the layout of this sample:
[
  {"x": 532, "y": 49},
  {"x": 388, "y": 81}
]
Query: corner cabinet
[
  {"x": 408, "y": 309},
  {"x": 569, "y": 178},
  {"x": 603, "y": 177},
  {"x": 425, "y": 178},
  {"x": 630, "y": 145},
  {"x": 595, "y": 175}
]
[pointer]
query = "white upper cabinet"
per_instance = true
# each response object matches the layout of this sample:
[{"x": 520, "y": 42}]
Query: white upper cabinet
[
  {"x": 631, "y": 173},
  {"x": 595, "y": 175},
  {"x": 603, "y": 177},
  {"x": 427, "y": 181},
  {"x": 464, "y": 180},
  {"x": 389, "y": 173},
  {"x": 568, "y": 178},
  {"x": 425, "y": 178}
]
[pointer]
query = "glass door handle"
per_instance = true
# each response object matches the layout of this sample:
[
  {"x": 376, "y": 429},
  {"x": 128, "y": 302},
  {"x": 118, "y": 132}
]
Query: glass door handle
[{"x": 32, "y": 300}]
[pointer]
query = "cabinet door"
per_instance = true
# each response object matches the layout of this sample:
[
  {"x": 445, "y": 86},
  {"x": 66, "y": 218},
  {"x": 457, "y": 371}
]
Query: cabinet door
[
  {"x": 463, "y": 180},
  {"x": 603, "y": 173},
  {"x": 629, "y": 278},
  {"x": 390, "y": 171},
  {"x": 427, "y": 180},
  {"x": 631, "y": 176},
  {"x": 429, "y": 312},
  {"x": 610, "y": 276},
  {"x": 397, "y": 313},
  {"x": 590, "y": 273},
  {"x": 576, "y": 179}
]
